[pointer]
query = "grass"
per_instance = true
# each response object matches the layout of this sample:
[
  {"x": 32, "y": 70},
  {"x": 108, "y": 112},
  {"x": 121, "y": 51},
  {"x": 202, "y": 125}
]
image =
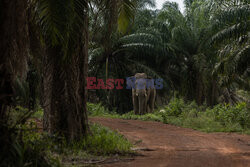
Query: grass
[
  {"x": 41, "y": 149},
  {"x": 97, "y": 110},
  {"x": 102, "y": 143},
  {"x": 220, "y": 118}
]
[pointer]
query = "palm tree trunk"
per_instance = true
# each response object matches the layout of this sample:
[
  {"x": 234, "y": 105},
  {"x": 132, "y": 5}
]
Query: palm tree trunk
[
  {"x": 212, "y": 91},
  {"x": 13, "y": 61},
  {"x": 111, "y": 20},
  {"x": 76, "y": 74},
  {"x": 199, "y": 89},
  {"x": 47, "y": 78},
  {"x": 65, "y": 110},
  {"x": 78, "y": 119},
  {"x": 215, "y": 94},
  {"x": 54, "y": 98},
  {"x": 13, "y": 49},
  {"x": 84, "y": 73}
]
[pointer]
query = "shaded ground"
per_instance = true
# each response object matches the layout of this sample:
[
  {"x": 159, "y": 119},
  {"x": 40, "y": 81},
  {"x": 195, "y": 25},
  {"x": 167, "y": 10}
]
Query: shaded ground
[{"x": 162, "y": 145}]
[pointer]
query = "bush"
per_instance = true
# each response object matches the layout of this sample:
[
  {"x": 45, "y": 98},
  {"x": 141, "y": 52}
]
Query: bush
[
  {"x": 227, "y": 114},
  {"x": 22, "y": 144},
  {"x": 103, "y": 141},
  {"x": 99, "y": 110},
  {"x": 25, "y": 145},
  {"x": 220, "y": 118},
  {"x": 146, "y": 117},
  {"x": 175, "y": 107}
]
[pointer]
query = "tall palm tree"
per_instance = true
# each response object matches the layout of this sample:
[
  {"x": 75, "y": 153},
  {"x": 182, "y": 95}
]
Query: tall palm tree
[
  {"x": 231, "y": 38},
  {"x": 13, "y": 47},
  {"x": 175, "y": 43},
  {"x": 64, "y": 28},
  {"x": 13, "y": 63},
  {"x": 105, "y": 31},
  {"x": 173, "y": 47}
]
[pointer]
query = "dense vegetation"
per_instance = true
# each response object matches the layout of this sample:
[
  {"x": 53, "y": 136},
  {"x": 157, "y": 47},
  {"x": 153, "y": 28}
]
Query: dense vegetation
[
  {"x": 220, "y": 118},
  {"x": 32, "y": 147},
  {"x": 202, "y": 54},
  {"x": 49, "y": 47}
]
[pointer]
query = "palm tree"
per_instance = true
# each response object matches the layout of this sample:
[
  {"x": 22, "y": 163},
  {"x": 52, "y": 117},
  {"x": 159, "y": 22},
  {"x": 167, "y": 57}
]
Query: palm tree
[
  {"x": 231, "y": 38},
  {"x": 175, "y": 48},
  {"x": 13, "y": 63},
  {"x": 112, "y": 16},
  {"x": 64, "y": 28},
  {"x": 104, "y": 37},
  {"x": 13, "y": 46}
]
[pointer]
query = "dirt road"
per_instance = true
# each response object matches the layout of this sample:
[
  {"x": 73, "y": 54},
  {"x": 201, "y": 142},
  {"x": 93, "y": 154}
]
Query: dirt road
[{"x": 164, "y": 145}]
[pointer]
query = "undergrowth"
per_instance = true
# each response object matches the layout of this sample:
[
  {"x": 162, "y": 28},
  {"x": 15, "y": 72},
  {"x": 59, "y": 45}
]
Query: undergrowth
[
  {"x": 30, "y": 147},
  {"x": 220, "y": 118},
  {"x": 103, "y": 141}
]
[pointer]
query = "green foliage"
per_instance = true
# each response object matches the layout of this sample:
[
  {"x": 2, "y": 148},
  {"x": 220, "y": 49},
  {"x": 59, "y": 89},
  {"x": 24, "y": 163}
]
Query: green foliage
[
  {"x": 59, "y": 18},
  {"x": 146, "y": 117},
  {"x": 27, "y": 154},
  {"x": 38, "y": 113},
  {"x": 99, "y": 110},
  {"x": 126, "y": 15},
  {"x": 103, "y": 141},
  {"x": 100, "y": 142},
  {"x": 226, "y": 114},
  {"x": 25, "y": 146},
  {"x": 199, "y": 52},
  {"x": 230, "y": 35},
  {"x": 221, "y": 118},
  {"x": 175, "y": 107},
  {"x": 33, "y": 148}
]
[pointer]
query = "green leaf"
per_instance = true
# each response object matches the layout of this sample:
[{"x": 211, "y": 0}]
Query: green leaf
[{"x": 126, "y": 15}]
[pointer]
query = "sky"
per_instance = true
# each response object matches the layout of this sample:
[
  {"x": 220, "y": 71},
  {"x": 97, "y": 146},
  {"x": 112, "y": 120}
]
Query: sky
[{"x": 159, "y": 4}]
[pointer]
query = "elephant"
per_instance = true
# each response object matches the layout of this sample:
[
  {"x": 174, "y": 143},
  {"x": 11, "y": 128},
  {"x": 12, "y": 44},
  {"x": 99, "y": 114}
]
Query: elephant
[{"x": 142, "y": 96}]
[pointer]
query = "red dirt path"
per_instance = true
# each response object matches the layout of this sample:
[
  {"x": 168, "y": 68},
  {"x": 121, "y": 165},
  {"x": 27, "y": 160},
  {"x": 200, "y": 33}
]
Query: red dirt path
[{"x": 163, "y": 145}]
